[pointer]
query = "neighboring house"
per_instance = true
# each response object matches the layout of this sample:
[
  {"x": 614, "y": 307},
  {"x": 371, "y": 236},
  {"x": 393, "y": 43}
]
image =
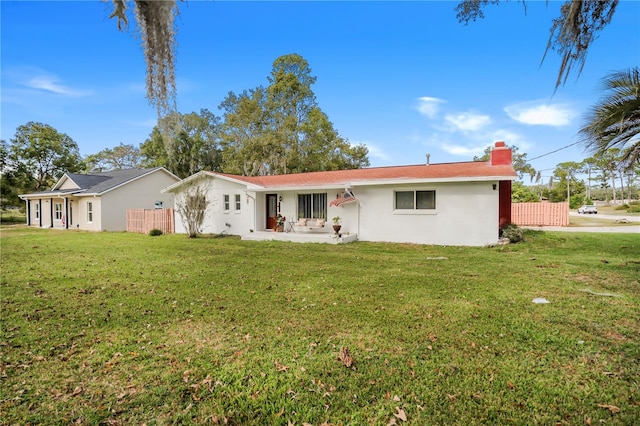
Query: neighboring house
[
  {"x": 99, "y": 201},
  {"x": 444, "y": 204}
]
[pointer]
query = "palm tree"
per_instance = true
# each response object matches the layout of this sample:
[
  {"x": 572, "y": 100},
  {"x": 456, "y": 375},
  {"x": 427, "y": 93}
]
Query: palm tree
[{"x": 614, "y": 122}]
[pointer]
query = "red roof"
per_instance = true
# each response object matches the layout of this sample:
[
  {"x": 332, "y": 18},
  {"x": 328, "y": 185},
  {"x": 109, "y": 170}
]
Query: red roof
[{"x": 443, "y": 171}]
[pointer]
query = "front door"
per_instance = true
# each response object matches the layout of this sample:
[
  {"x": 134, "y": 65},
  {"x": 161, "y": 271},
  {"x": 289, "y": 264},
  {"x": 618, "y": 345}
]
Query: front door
[{"x": 272, "y": 210}]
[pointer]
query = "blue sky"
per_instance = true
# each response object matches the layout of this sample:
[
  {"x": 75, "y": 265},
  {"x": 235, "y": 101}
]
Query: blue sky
[{"x": 404, "y": 78}]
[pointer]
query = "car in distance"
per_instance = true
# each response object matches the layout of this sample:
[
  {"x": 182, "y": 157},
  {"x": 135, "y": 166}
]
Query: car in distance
[{"x": 588, "y": 210}]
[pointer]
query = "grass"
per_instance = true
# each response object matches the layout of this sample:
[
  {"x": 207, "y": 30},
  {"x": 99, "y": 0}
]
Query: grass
[
  {"x": 12, "y": 217},
  {"x": 117, "y": 328}
]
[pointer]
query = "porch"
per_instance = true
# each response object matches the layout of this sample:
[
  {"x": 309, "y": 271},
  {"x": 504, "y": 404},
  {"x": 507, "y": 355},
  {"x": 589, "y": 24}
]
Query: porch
[{"x": 301, "y": 237}]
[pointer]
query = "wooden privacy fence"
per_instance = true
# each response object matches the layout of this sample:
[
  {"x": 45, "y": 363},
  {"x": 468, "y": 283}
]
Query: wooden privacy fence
[
  {"x": 144, "y": 220},
  {"x": 540, "y": 214}
]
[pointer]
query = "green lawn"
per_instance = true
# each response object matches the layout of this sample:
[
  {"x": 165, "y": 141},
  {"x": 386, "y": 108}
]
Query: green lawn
[{"x": 117, "y": 328}]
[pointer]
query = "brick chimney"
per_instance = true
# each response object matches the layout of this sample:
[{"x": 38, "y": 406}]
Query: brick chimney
[{"x": 500, "y": 155}]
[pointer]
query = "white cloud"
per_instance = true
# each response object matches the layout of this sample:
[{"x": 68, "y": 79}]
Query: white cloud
[
  {"x": 467, "y": 121},
  {"x": 542, "y": 114},
  {"x": 49, "y": 84},
  {"x": 429, "y": 106},
  {"x": 463, "y": 150},
  {"x": 375, "y": 151}
]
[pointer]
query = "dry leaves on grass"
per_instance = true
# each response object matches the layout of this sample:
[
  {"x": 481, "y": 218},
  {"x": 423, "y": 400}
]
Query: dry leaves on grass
[
  {"x": 281, "y": 367},
  {"x": 611, "y": 408},
  {"x": 400, "y": 415},
  {"x": 345, "y": 357}
]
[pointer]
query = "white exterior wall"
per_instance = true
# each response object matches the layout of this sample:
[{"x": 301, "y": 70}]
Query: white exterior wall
[
  {"x": 45, "y": 212},
  {"x": 141, "y": 193},
  {"x": 217, "y": 220},
  {"x": 81, "y": 214},
  {"x": 466, "y": 214}
]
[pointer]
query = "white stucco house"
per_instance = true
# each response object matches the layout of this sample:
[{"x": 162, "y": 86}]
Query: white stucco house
[
  {"x": 461, "y": 203},
  {"x": 99, "y": 201}
]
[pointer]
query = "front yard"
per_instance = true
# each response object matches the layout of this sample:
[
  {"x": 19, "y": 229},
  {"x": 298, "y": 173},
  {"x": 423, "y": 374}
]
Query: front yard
[{"x": 117, "y": 328}]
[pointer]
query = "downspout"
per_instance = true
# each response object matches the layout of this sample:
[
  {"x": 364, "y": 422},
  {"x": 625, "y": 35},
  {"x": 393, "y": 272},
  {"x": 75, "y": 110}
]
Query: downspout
[
  {"x": 40, "y": 212},
  {"x": 28, "y": 207}
]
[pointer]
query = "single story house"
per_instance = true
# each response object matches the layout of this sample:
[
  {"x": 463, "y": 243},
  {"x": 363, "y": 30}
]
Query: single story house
[
  {"x": 99, "y": 201},
  {"x": 462, "y": 203}
]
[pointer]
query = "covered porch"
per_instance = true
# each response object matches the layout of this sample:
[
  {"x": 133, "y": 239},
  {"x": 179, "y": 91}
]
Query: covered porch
[{"x": 301, "y": 237}]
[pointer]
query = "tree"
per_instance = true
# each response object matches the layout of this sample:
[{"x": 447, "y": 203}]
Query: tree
[
  {"x": 191, "y": 205},
  {"x": 8, "y": 182},
  {"x": 523, "y": 194},
  {"x": 614, "y": 122},
  {"x": 120, "y": 157},
  {"x": 566, "y": 172},
  {"x": 189, "y": 144},
  {"x": 519, "y": 160},
  {"x": 157, "y": 31},
  {"x": 40, "y": 155},
  {"x": 571, "y": 34},
  {"x": 281, "y": 129}
]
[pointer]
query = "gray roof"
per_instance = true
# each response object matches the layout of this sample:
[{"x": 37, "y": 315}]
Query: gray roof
[{"x": 97, "y": 183}]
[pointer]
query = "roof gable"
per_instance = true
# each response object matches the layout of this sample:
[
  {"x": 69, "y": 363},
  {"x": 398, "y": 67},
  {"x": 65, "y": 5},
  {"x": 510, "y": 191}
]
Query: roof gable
[{"x": 100, "y": 183}]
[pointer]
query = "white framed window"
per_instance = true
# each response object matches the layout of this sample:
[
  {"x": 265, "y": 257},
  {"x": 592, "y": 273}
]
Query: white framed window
[
  {"x": 312, "y": 206},
  {"x": 158, "y": 204},
  {"x": 414, "y": 201},
  {"x": 89, "y": 212},
  {"x": 237, "y": 202},
  {"x": 57, "y": 208},
  {"x": 226, "y": 202},
  {"x": 37, "y": 210}
]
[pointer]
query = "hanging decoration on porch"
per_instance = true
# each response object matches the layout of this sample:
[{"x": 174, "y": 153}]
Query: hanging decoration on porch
[{"x": 344, "y": 197}]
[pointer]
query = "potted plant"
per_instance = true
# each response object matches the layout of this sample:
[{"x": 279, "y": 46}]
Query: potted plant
[
  {"x": 336, "y": 224},
  {"x": 280, "y": 220}
]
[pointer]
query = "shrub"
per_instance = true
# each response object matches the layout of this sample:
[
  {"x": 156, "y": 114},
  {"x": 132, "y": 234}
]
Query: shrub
[
  {"x": 155, "y": 232},
  {"x": 622, "y": 207},
  {"x": 634, "y": 209},
  {"x": 512, "y": 232}
]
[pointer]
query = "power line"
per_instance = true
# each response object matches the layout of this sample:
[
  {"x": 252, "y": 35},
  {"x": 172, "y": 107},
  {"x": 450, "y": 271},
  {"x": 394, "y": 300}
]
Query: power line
[{"x": 552, "y": 152}]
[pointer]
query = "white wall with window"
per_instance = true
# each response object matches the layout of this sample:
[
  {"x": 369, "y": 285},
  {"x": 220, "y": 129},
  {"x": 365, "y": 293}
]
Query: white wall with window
[
  {"x": 439, "y": 213},
  {"x": 224, "y": 197}
]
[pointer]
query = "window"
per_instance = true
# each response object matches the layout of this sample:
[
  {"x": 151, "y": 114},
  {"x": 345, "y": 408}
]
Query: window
[
  {"x": 37, "y": 212},
  {"x": 237, "y": 196},
  {"x": 226, "y": 202},
  {"x": 415, "y": 200},
  {"x": 158, "y": 204},
  {"x": 312, "y": 206},
  {"x": 58, "y": 211},
  {"x": 89, "y": 212}
]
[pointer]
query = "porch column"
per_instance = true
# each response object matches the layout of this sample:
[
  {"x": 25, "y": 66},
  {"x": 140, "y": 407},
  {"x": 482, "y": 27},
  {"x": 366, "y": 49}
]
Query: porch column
[
  {"x": 40, "y": 212},
  {"x": 66, "y": 213},
  {"x": 28, "y": 211},
  {"x": 51, "y": 211}
]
